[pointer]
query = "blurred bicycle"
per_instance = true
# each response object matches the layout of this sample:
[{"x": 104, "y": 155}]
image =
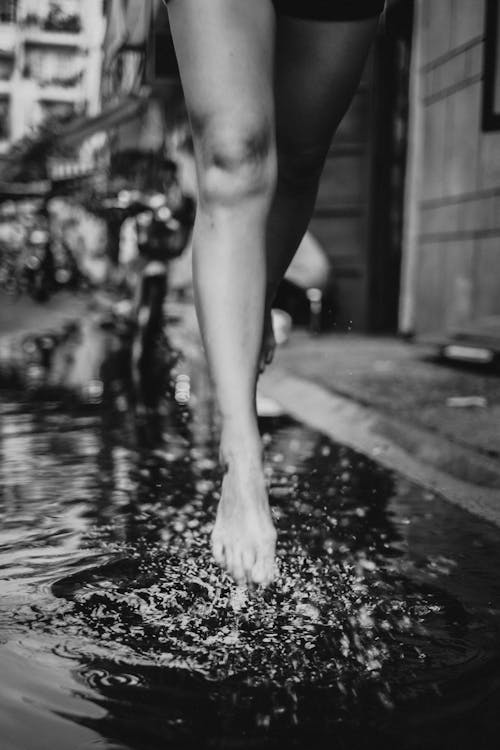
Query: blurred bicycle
[{"x": 163, "y": 225}]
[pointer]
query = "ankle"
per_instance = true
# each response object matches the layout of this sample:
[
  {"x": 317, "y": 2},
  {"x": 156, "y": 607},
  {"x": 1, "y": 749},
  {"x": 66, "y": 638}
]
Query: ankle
[
  {"x": 240, "y": 447},
  {"x": 243, "y": 427}
]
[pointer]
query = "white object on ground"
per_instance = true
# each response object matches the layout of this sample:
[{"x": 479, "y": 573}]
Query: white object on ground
[
  {"x": 466, "y": 402},
  {"x": 310, "y": 266},
  {"x": 268, "y": 407},
  {"x": 282, "y": 325}
]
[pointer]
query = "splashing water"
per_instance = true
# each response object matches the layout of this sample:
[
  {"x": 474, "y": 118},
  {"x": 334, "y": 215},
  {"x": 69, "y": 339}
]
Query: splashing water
[{"x": 375, "y": 616}]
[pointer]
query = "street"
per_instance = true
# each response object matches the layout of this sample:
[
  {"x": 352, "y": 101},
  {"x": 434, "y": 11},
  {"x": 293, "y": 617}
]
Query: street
[
  {"x": 316, "y": 186},
  {"x": 119, "y": 631}
]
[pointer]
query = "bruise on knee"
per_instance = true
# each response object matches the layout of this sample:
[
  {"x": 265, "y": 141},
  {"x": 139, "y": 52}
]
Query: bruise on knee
[
  {"x": 247, "y": 149},
  {"x": 234, "y": 159}
]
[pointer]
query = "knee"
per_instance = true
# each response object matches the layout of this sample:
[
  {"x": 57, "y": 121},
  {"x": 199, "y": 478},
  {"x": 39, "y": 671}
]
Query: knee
[
  {"x": 235, "y": 160},
  {"x": 299, "y": 170}
]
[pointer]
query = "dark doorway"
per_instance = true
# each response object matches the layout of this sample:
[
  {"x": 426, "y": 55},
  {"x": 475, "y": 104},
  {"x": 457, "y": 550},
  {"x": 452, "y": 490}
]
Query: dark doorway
[
  {"x": 359, "y": 210},
  {"x": 391, "y": 72}
]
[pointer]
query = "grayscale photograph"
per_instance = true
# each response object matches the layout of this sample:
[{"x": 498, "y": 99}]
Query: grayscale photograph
[{"x": 249, "y": 374}]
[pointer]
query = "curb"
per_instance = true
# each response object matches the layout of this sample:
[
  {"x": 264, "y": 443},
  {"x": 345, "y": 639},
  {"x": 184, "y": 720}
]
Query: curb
[{"x": 459, "y": 475}]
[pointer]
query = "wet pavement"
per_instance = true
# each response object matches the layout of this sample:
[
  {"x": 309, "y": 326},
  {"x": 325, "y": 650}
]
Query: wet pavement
[{"x": 118, "y": 631}]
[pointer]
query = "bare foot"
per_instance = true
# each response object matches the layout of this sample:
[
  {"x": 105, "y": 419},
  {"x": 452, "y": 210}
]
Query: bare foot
[
  {"x": 268, "y": 343},
  {"x": 244, "y": 537}
]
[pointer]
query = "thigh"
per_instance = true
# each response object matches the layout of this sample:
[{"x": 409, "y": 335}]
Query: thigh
[
  {"x": 225, "y": 51},
  {"x": 317, "y": 69}
]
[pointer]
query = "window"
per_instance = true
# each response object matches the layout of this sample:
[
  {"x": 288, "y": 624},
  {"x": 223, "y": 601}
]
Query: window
[
  {"x": 4, "y": 118},
  {"x": 55, "y": 110},
  {"x": 161, "y": 59},
  {"x": 491, "y": 85},
  {"x": 57, "y": 66},
  {"x": 6, "y": 66},
  {"x": 8, "y": 11}
]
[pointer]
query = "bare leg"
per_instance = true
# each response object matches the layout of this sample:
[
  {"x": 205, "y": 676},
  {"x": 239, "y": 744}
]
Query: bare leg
[
  {"x": 318, "y": 67},
  {"x": 225, "y": 50}
]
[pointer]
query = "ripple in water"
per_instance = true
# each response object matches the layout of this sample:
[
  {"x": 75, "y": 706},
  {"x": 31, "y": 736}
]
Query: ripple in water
[
  {"x": 343, "y": 620},
  {"x": 344, "y": 634},
  {"x": 101, "y": 678}
]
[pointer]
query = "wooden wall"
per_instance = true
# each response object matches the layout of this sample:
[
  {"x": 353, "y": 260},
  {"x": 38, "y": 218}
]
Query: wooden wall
[
  {"x": 341, "y": 214},
  {"x": 359, "y": 209},
  {"x": 456, "y": 268}
]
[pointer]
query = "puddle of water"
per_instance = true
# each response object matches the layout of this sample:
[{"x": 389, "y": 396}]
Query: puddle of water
[{"x": 118, "y": 631}]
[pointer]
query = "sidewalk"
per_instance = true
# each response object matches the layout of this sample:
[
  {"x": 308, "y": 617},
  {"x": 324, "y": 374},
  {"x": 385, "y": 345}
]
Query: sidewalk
[
  {"x": 400, "y": 379},
  {"x": 388, "y": 399}
]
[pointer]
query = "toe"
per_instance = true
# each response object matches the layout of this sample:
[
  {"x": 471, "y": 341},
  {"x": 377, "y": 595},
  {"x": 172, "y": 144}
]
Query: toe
[
  {"x": 263, "y": 571},
  {"x": 258, "y": 572},
  {"x": 248, "y": 557},
  {"x": 228, "y": 561},
  {"x": 236, "y": 568},
  {"x": 218, "y": 551},
  {"x": 270, "y": 570}
]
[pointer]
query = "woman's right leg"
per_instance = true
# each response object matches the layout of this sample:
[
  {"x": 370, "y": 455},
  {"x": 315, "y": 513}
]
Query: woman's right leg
[
  {"x": 225, "y": 51},
  {"x": 317, "y": 66}
]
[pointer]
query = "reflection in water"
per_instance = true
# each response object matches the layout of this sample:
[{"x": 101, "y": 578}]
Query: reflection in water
[{"x": 382, "y": 625}]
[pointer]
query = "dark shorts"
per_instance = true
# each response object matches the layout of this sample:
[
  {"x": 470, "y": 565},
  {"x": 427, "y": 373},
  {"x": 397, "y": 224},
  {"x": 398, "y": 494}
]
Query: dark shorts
[{"x": 328, "y": 10}]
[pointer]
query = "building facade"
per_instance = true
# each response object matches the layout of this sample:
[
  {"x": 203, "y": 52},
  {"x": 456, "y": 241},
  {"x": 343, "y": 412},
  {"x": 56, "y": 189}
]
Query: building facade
[
  {"x": 451, "y": 248},
  {"x": 50, "y": 62}
]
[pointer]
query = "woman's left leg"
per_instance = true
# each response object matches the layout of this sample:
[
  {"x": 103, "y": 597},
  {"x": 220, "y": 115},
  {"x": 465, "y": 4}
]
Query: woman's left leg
[
  {"x": 225, "y": 50},
  {"x": 318, "y": 66}
]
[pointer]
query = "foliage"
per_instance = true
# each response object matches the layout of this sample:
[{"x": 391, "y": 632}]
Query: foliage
[
  {"x": 55, "y": 20},
  {"x": 27, "y": 159}
]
